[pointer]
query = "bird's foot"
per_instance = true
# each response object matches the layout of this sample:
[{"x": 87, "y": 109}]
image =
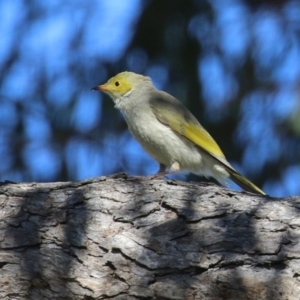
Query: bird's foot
[
  {"x": 158, "y": 175},
  {"x": 162, "y": 171}
]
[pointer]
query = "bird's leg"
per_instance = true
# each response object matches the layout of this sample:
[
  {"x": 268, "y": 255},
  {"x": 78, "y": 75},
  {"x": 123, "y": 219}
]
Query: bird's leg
[
  {"x": 160, "y": 173},
  {"x": 162, "y": 170}
]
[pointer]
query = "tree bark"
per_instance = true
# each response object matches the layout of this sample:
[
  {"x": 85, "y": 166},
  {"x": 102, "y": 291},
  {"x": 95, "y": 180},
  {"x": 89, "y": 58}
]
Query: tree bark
[{"x": 136, "y": 238}]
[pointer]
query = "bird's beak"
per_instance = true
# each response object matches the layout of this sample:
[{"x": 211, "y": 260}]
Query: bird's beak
[{"x": 102, "y": 87}]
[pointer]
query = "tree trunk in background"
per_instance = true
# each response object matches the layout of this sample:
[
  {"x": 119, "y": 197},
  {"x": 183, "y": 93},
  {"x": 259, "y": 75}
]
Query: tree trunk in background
[{"x": 133, "y": 238}]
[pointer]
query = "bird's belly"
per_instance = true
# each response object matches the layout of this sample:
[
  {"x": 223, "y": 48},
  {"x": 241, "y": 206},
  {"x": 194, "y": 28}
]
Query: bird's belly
[{"x": 167, "y": 147}]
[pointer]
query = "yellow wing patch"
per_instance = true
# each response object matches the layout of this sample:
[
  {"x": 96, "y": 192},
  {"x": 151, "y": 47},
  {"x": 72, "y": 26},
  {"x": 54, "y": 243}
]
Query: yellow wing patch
[
  {"x": 191, "y": 129},
  {"x": 199, "y": 136}
]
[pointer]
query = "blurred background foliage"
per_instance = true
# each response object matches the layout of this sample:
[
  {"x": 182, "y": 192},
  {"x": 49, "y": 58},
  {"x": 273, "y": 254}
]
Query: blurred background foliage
[{"x": 234, "y": 63}]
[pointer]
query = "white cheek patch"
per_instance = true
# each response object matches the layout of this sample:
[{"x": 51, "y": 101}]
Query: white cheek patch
[{"x": 127, "y": 94}]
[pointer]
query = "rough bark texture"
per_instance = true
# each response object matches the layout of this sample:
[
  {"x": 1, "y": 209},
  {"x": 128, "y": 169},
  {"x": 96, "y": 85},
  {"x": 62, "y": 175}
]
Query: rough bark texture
[{"x": 133, "y": 238}]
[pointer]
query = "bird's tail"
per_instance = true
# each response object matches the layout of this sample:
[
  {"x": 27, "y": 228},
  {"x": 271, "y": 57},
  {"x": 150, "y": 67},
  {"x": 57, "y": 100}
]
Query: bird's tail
[
  {"x": 243, "y": 182},
  {"x": 236, "y": 177}
]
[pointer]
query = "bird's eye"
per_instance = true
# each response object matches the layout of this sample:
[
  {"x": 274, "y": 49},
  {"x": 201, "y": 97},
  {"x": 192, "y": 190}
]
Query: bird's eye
[{"x": 117, "y": 83}]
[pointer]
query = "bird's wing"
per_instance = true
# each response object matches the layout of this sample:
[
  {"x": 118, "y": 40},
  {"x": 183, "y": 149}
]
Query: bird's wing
[{"x": 169, "y": 111}]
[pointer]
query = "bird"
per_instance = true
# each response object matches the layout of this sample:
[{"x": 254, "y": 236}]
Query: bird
[{"x": 168, "y": 131}]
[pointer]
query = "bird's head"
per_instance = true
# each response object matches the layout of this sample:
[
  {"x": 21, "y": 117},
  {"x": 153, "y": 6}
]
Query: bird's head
[{"x": 122, "y": 84}]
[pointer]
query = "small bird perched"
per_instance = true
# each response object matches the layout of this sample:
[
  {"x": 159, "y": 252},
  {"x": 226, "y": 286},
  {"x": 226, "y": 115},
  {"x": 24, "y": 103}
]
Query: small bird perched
[{"x": 168, "y": 131}]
